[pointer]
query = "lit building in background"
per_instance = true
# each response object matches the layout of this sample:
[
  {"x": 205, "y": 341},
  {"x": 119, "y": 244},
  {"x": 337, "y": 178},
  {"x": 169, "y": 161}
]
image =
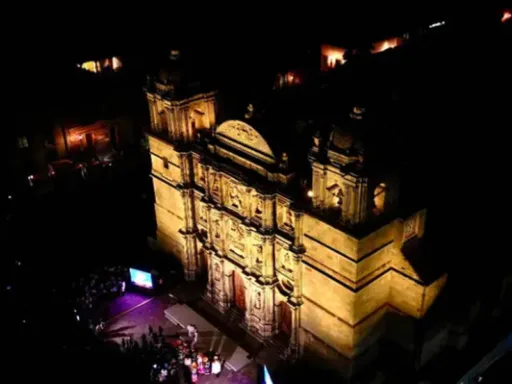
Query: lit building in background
[
  {"x": 99, "y": 138},
  {"x": 331, "y": 57},
  {"x": 507, "y": 15},
  {"x": 108, "y": 64},
  {"x": 324, "y": 268},
  {"x": 386, "y": 44}
]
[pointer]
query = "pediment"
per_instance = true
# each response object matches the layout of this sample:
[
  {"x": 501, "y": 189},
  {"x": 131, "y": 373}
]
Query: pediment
[{"x": 245, "y": 138}]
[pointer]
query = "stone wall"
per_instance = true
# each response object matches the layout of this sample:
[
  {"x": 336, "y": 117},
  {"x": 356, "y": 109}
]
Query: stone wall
[
  {"x": 376, "y": 240},
  {"x": 163, "y": 149},
  {"x": 374, "y": 264},
  {"x": 405, "y": 294},
  {"x": 172, "y": 173},
  {"x": 329, "y": 261},
  {"x": 169, "y": 198},
  {"x": 326, "y": 327},
  {"x": 328, "y": 294},
  {"x": 168, "y": 236},
  {"x": 432, "y": 291},
  {"x": 371, "y": 297},
  {"x": 330, "y": 236}
]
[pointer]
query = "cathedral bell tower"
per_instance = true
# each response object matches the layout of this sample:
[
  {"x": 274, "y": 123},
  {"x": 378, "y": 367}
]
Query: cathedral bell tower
[
  {"x": 179, "y": 112},
  {"x": 340, "y": 175}
]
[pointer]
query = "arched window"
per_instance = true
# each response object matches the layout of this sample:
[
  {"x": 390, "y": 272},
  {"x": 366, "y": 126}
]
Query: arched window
[{"x": 379, "y": 198}]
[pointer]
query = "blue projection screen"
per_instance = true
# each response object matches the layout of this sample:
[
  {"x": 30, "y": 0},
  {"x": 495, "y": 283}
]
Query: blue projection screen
[{"x": 141, "y": 278}]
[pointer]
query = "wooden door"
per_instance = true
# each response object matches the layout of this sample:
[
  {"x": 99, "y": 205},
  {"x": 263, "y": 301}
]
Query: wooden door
[
  {"x": 286, "y": 319},
  {"x": 239, "y": 289}
]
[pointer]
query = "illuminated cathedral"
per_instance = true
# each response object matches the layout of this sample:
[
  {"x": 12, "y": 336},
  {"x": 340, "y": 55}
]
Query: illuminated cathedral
[{"x": 315, "y": 260}]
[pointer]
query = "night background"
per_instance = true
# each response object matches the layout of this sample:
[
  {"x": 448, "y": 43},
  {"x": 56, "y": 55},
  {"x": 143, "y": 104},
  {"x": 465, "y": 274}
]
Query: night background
[{"x": 447, "y": 89}]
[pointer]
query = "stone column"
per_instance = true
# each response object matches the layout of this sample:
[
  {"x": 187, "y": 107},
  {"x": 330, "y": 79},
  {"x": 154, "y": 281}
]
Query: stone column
[
  {"x": 354, "y": 201},
  {"x": 295, "y": 331},
  {"x": 209, "y": 229},
  {"x": 190, "y": 265},
  {"x": 298, "y": 239},
  {"x": 210, "y": 288},
  {"x": 267, "y": 319},
  {"x": 185, "y": 166},
  {"x": 267, "y": 218},
  {"x": 210, "y": 107},
  {"x": 297, "y": 278},
  {"x": 226, "y": 293},
  {"x": 268, "y": 259}
]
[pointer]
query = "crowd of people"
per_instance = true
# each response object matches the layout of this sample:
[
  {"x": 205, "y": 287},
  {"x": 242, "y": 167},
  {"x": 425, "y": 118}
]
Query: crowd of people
[
  {"x": 173, "y": 361},
  {"x": 104, "y": 284}
]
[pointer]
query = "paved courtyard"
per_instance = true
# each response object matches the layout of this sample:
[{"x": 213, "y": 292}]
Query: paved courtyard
[{"x": 133, "y": 321}]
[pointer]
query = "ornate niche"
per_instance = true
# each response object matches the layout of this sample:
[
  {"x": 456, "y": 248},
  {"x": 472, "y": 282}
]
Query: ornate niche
[
  {"x": 217, "y": 273},
  {"x": 235, "y": 197},
  {"x": 335, "y": 197},
  {"x": 216, "y": 223},
  {"x": 289, "y": 219},
  {"x": 286, "y": 260},
  {"x": 236, "y": 236},
  {"x": 202, "y": 212},
  {"x": 257, "y": 207},
  {"x": 199, "y": 174},
  {"x": 215, "y": 185},
  {"x": 258, "y": 300},
  {"x": 258, "y": 255}
]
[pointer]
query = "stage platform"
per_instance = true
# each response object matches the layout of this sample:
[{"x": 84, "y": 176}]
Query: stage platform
[{"x": 210, "y": 338}]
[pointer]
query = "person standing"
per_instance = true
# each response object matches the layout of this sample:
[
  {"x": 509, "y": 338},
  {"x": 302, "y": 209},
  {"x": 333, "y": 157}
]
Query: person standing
[
  {"x": 216, "y": 366},
  {"x": 193, "y": 372},
  {"x": 200, "y": 364}
]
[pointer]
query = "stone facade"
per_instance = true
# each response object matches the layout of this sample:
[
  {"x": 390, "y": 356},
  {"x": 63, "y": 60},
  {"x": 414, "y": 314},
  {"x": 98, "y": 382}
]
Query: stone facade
[{"x": 289, "y": 269}]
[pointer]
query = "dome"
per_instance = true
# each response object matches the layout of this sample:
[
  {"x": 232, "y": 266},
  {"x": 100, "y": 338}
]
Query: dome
[{"x": 341, "y": 139}]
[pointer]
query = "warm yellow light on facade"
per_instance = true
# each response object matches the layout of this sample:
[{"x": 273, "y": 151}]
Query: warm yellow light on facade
[
  {"x": 116, "y": 63},
  {"x": 90, "y": 66}
]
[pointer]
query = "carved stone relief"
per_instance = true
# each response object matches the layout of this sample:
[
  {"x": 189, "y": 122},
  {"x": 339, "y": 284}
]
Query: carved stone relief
[
  {"x": 236, "y": 236},
  {"x": 202, "y": 213},
  {"x": 288, "y": 219},
  {"x": 258, "y": 209},
  {"x": 257, "y": 301},
  {"x": 217, "y": 229},
  {"x": 201, "y": 175},
  {"x": 258, "y": 254},
  {"x": 286, "y": 261},
  {"x": 235, "y": 197},
  {"x": 215, "y": 182},
  {"x": 217, "y": 272},
  {"x": 243, "y": 132}
]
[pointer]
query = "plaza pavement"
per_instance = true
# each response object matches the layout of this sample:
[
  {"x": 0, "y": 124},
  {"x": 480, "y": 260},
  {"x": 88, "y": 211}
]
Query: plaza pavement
[{"x": 134, "y": 322}]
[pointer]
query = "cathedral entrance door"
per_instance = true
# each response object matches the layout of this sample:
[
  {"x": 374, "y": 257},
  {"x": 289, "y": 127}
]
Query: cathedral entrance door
[
  {"x": 238, "y": 284},
  {"x": 286, "y": 319}
]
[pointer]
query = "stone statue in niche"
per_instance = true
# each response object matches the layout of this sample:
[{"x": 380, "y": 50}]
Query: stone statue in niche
[
  {"x": 257, "y": 302},
  {"x": 237, "y": 236},
  {"x": 259, "y": 254},
  {"x": 202, "y": 213},
  {"x": 215, "y": 182},
  {"x": 286, "y": 261},
  {"x": 288, "y": 221},
  {"x": 217, "y": 229},
  {"x": 201, "y": 172},
  {"x": 234, "y": 197},
  {"x": 217, "y": 272},
  {"x": 258, "y": 211}
]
